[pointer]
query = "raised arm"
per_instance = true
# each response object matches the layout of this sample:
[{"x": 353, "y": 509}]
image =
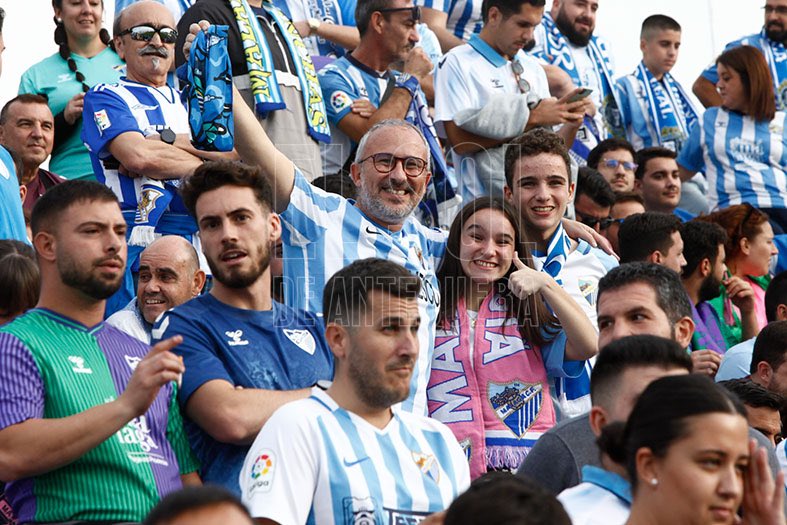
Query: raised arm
[
  {"x": 251, "y": 141},
  {"x": 37, "y": 446},
  {"x": 581, "y": 337}
]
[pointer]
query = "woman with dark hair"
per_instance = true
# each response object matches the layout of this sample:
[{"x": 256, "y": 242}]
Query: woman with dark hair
[
  {"x": 82, "y": 61},
  {"x": 689, "y": 460},
  {"x": 20, "y": 279},
  {"x": 740, "y": 308},
  {"x": 502, "y": 328},
  {"x": 741, "y": 146}
]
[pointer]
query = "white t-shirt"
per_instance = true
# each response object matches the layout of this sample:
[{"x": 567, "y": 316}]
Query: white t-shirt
[{"x": 314, "y": 462}]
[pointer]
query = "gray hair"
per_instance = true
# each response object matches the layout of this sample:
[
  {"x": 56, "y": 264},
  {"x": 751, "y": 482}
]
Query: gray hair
[{"x": 384, "y": 124}]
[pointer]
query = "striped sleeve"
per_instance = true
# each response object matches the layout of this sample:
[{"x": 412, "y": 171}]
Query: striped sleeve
[
  {"x": 691, "y": 156},
  {"x": 176, "y": 436},
  {"x": 21, "y": 384}
]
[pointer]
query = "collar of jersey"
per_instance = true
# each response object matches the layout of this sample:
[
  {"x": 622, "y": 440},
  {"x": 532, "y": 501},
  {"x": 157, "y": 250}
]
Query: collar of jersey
[
  {"x": 322, "y": 397},
  {"x": 363, "y": 67},
  {"x": 610, "y": 481},
  {"x": 76, "y": 325},
  {"x": 486, "y": 51}
]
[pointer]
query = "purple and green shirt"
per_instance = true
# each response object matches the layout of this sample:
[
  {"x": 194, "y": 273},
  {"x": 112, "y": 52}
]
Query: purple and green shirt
[{"x": 54, "y": 367}]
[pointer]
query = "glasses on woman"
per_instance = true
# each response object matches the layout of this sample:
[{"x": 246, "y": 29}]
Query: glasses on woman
[
  {"x": 146, "y": 32},
  {"x": 614, "y": 163},
  {"x": 386, "y": 162}
]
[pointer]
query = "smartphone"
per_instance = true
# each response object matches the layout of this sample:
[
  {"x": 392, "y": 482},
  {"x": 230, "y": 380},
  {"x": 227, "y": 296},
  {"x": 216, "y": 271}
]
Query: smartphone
[{"x": 580, "y": 95}]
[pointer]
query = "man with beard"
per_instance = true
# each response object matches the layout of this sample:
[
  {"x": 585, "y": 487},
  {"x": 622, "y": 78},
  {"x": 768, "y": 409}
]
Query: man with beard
[
  {"x": 169, "y": 275},
  {"x": 736, "y": 363},
  {"x": 246, "y": 355},
  {"x": 702, "y": 277},
  {"x": 489, "y": 91},
  {"x": 770, "y": 41},
  {"x": 348, "y": 455},
  {"x": 565, "y": 39},
  {"x": 138, "y": 135},
  {"x": 89, "y": 426}
]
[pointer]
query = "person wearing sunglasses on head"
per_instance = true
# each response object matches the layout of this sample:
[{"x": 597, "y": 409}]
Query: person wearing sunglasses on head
[
  {"x": 614, "y": 159},
  {"x": 137, "y": 131},
  {"x": 593, "y": 199},
  {"x": 83, "y": 60},
  {"x": 490, "y": 91}
]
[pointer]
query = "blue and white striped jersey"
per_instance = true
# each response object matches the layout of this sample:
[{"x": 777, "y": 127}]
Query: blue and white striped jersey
[
  {"x": 324, "y": 232},
  {"x": 464, "y": 16},
  {"x": 113, "y": 109},
  {"x": 316, "y": 463},
  {"x": 744, "y": 160}
]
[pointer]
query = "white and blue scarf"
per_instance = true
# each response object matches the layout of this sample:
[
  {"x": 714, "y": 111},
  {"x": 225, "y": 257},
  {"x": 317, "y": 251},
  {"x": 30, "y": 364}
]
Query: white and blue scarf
[
  {"x": 262, "y": 74},
  {"x": 553, "y": 260},
  {"x": 669, "y": 107},
  {"x": 558, "y": 53}
]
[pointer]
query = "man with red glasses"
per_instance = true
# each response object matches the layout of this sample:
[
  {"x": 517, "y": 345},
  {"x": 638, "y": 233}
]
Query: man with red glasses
[{"x": 137, "y": 132}]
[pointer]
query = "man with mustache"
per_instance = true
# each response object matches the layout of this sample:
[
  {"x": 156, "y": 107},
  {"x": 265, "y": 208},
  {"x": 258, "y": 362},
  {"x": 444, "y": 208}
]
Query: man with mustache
[
  {"x": 169, "y": 275},
  {"x": 90, "y": 430},
  {"x": 27, "y": 128},
  {"x": 246, "y": 354},
  {"x": 137, "y": 132},
  {"x": 770, "y": 41},
  {"x": 565, "y": 39},
  {"x": 348, "y": 454}
]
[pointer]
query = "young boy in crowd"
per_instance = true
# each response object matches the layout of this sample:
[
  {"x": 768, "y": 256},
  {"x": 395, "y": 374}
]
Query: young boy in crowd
[{"x": 654, "y": 107}]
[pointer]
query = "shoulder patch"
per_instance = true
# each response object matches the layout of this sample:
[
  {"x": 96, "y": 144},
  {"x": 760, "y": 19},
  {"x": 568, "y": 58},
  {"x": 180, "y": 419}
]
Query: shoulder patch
[
  {"x": 102, "y": 120},
  {"x": 340, "y": 101}
]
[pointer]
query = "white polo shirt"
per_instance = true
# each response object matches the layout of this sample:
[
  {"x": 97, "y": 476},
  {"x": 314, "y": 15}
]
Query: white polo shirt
[{"x": 467, "y": 77}]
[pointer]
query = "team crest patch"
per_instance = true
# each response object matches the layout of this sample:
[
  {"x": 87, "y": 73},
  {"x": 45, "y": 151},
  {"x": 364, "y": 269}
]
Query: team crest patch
[
  {"x": 517, "y": 404},
  {"x": 262, "y": 472},
  {"x": 587, "y": 287},
  {"x": 303, "y": 339},
  {"x": 427, "y": 464},
  {"x": 340, "y": 100},
  {"x": 147, "y": 203},
  {"x": 102, "y": 120},
  {"x": 132, "y": 361}
]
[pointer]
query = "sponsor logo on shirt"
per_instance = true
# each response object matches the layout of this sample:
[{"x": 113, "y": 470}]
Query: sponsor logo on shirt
[
  {"x": 303, "y": 339},
  {"x": 359, "y": 511},
  {"x": 102, "y": 120},
  {"x": 78, "y": 365},
  {"x": 262, "y": 472},
  {"x": 235, "y": 338},
  {"x": 496, "y": 83},
  {"x": 744, "y": 150},
  {"x": 65, "y": 77},
  {"x": 145, "y": 107},
  {"x": 136, "y": 435},
  {"x": 340, "y": 100}
]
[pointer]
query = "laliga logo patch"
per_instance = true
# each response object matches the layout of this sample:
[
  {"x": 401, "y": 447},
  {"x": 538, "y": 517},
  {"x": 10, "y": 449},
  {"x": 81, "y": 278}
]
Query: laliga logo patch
[
  {"x": 340, "y": 100},
  {"x": 102, "y": 121},
  {"x": 303, "y": 339},
  {"x": 147, "y": 203},
  {"x": 262, "y": 472},
  {"x": 427, "y": 464},
  {"x": 517, "y": 404}
]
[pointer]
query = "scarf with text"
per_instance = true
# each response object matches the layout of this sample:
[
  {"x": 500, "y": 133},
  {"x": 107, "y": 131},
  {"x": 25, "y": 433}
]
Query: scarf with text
[{"x": 262, "y": 74}]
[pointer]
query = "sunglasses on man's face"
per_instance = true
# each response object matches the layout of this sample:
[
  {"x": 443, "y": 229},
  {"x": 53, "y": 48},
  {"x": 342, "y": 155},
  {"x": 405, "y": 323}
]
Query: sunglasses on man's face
[
  {"x": 415, "y": 11},
  {"x": 146, "y": 32},
  {"x": 589, "y": 220}
]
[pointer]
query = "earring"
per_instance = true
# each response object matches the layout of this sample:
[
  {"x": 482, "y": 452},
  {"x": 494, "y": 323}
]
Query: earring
[{"x": 654, "y": 482}]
